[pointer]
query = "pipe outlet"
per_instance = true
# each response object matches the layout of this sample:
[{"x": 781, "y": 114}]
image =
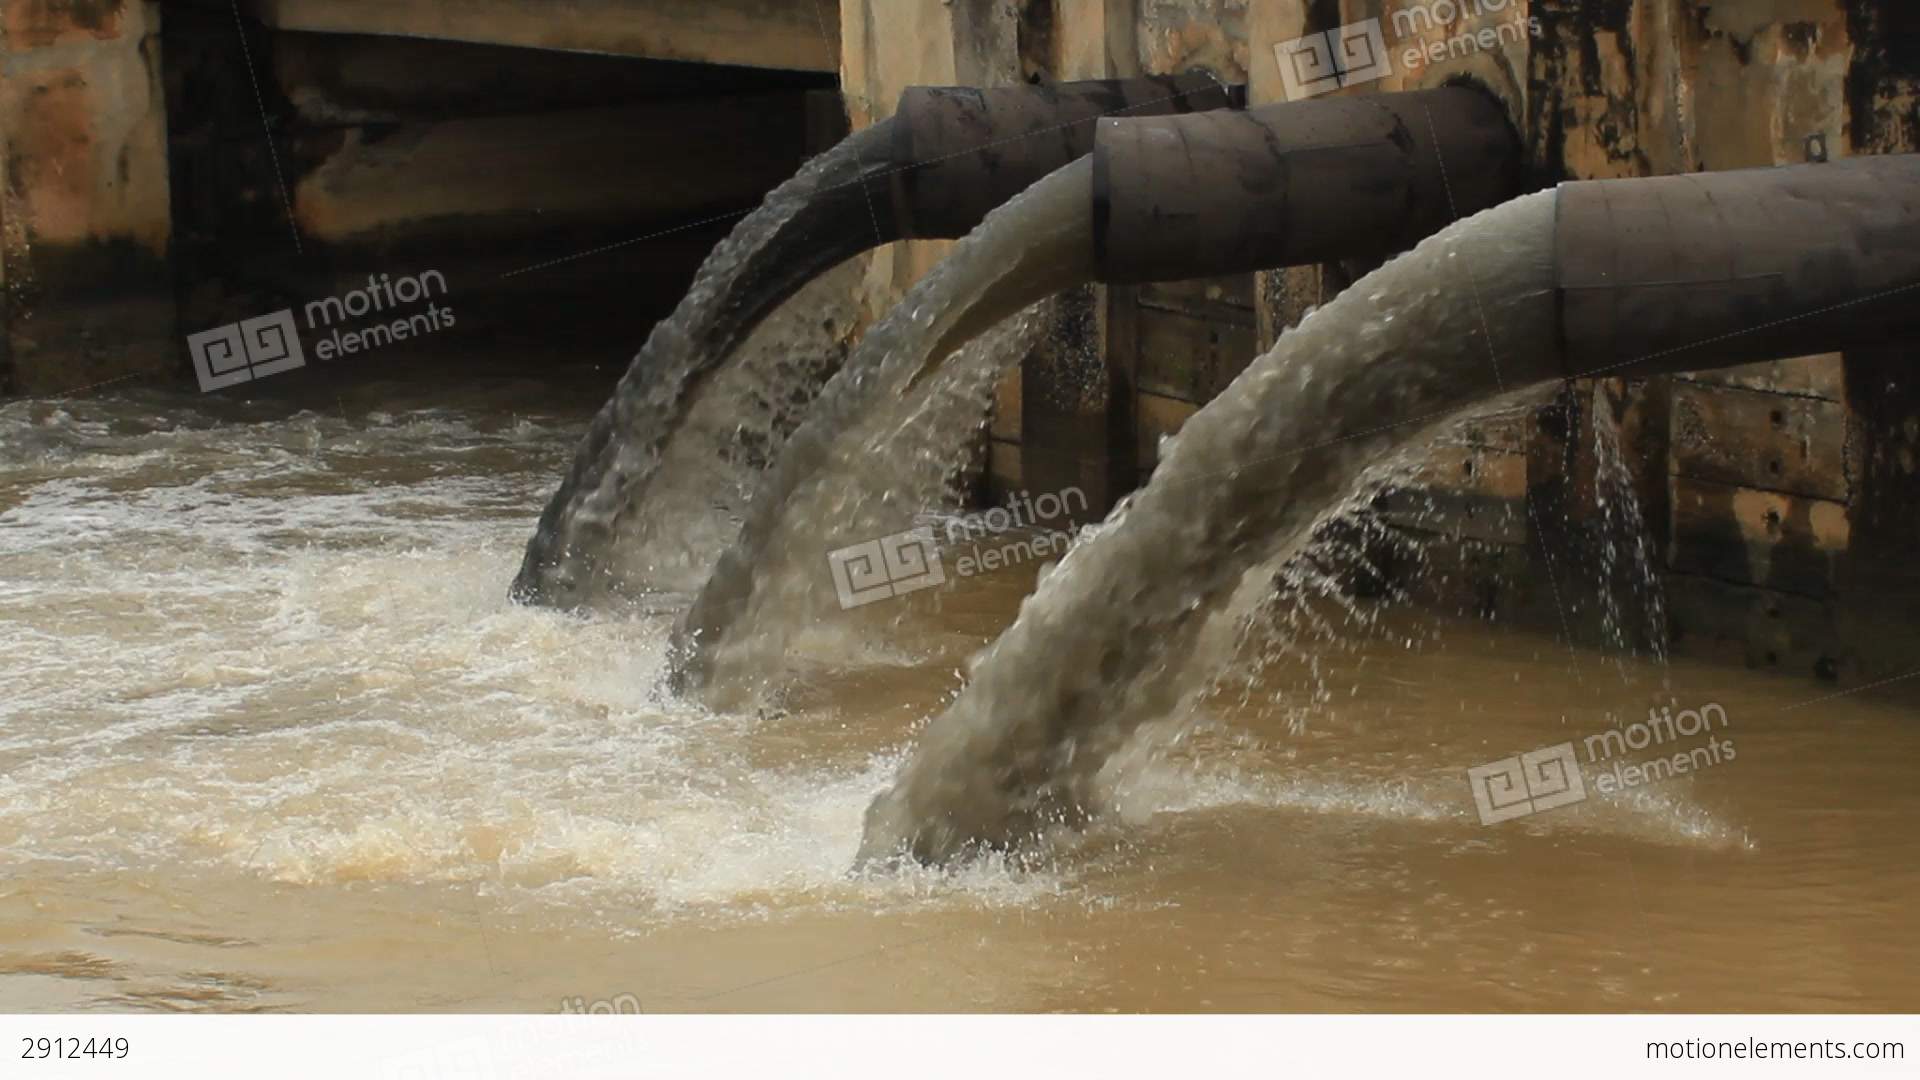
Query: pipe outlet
[{"x": 959, "y": 152}]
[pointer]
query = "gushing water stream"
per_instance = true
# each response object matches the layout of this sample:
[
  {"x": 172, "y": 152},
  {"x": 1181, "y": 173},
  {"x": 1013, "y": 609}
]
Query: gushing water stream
[
  {"x": 594, "y": 541},
  {"x": 887, "y": 434},
  {"x": 1633, "y": 598},
  {"x": 711, "y": 461},
  {"x": 272, "y": 738},
  {"x": 1097, "y": 651}
]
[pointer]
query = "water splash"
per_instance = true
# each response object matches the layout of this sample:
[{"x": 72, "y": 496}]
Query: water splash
[
  {"x": 1630, "y": 574},
  {"x": 815, "y": 221},
  {"x": 886, "y": 438},
  {"x": 243, "y": 644},
  {"x": 1100, "y": 649},
  {"x": 711, "y": 463}
]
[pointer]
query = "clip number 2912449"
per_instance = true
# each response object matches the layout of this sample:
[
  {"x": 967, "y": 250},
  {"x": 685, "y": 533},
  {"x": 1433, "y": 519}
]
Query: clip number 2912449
[{"x": 45, "y": 1049}]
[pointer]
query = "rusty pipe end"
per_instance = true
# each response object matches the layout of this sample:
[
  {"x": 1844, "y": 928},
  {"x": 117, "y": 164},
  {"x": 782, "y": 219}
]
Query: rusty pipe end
[{"x": 960, "y": 152}]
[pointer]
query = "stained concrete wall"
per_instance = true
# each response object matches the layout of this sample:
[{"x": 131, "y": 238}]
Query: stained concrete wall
[
  {"x": 158, "y": 180},
  {"x": 84, "y": 225},
  {"x": 1757, "y": 475},
  {"x": 889, "y": 47},
  {"x": 566, "y": 197},
  {"x": 1782, "y": 498},
  {"x": 1775, "y": 547},
  {"x": 795, "y": 35}
]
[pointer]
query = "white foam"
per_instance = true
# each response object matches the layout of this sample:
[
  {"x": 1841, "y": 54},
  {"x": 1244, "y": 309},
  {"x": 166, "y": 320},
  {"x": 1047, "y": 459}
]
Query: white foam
[{"x": 287, "y": 652}]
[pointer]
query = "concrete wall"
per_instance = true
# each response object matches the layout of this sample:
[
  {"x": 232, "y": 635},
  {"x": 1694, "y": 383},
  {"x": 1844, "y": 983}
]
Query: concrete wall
[
  {"x": 1762, "y": 484},
  {"x": 795, "y": 35},
  {"x": 160, "y": 180},
  {"x": 566, "y": 197},
  {"x": 84, "y": 225},
  {"x": 1784, "y": 499},
  {"x": 1759, "y": 476}
]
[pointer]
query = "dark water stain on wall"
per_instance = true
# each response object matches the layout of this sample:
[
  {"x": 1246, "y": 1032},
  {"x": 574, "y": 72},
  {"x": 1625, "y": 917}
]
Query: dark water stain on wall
[
  {"x": 1567, "y": 65},
  {"x": 1884, "y": 80}
]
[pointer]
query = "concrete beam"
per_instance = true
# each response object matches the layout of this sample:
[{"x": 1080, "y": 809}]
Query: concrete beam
[
  {"x": 893, "y": 44},
  {"x": 522, "y": 175},
  {"x": 800, "y": 35}
]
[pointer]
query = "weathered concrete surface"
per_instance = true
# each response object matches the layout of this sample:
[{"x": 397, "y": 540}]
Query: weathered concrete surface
[
  {"x": 888, "y": 46},
  {"x": 335, "y": 79},
  {"x": 1075, "y": 394},
  {"x": 1499, "y": 66},
  {"x": 1879, "y": 606},
  {"x": 1879, "y": 582},
  {"x": 1780, "y": 494},
  {"x": 793, "y": 34},
  {"x": 1182, "y": 35},
  {"x": 84, "y": 197},
  {"x": 1759, "y": 490},
  {"x": 566, "y": 197},
  {"x": 683, "y": 160}
]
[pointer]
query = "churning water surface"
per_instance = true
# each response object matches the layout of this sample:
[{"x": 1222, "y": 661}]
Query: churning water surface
[{"x": 273, "y": 737}]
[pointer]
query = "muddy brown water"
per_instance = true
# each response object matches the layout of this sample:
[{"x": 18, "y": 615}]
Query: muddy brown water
[{"x": 273, "y": 738}]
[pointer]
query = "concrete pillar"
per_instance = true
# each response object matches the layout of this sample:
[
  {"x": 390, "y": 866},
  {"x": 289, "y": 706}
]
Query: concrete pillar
[
  {"x": 1283, "y": 296},
  {"x": 887, "y": 46},
  {"x": 1074, "y": 397},
  {"x": 84, "y": 206},
  {"x": 1879, "y": 582}
]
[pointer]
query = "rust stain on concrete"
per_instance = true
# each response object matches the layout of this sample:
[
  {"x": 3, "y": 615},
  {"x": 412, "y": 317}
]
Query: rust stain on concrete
[
  {"x": 38, "y": 24},
  {"x": 50, "y": 155}
]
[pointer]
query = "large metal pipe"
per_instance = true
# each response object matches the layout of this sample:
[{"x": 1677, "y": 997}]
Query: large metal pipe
[
  {"x": 936, "y": 168},
  {"x": 960, "y": 152},
  {"x": 1684, "y": 273},
  {"x": 952, "y": 155},
  {"x": 1302, "y": 182}
]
